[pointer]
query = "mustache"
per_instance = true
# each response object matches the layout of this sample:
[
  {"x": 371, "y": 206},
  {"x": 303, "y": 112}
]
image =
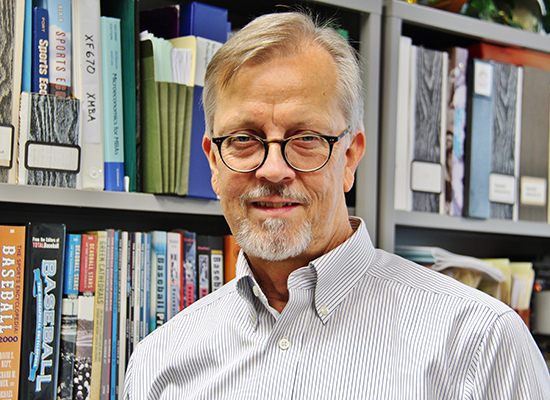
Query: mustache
[{"x": 266, "y": 190}]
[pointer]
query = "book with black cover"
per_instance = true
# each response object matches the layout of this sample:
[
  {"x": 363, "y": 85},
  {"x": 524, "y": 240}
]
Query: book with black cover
[{"x": 42, "y": 316}]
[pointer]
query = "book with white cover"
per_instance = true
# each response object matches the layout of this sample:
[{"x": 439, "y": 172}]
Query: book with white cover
[{"x": 87, "y": 87}]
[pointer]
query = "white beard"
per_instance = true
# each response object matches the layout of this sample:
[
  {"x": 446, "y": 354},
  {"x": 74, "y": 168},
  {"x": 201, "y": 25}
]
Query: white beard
[{"x": 276, "y": 239}]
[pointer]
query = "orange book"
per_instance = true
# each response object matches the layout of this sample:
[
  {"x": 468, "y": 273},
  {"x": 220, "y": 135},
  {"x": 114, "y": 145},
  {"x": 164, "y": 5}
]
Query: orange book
[
  {"x": 510, "y": 55},
  {"x": 230, "y": 255},
  {"x": 12, "y": 249}
]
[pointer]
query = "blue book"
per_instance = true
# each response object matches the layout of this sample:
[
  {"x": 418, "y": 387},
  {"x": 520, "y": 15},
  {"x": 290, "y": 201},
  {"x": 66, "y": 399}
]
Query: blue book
[
  {"x": 200, "y": 185},
  {"x": 28, "y": 45},
  {"x": 203, "y": 20},
  {"x": 112, "y": 104},
  {"x": 479, "y": 141},
  {"x": 147, "y": 281},
  {"x": 60, "y": 16},
  {"x": 158, "y": 284},
  {"x": 40, "y": 82},
  {"x": 71, "y": 279}
]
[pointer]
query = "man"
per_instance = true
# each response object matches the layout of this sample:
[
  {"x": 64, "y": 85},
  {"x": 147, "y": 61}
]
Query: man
[{"x": 315, "y": 312}]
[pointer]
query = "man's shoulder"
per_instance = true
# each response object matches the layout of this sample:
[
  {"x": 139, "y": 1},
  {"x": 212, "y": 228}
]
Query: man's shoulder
[{"x": 407, "y": 275}]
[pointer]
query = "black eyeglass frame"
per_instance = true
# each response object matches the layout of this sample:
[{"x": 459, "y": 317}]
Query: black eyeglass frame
[{"x": 332, "y": 140}]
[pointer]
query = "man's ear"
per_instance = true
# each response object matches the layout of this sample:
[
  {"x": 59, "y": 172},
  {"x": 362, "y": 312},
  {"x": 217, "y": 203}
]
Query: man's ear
[
  {"x": 209, "y": 152},
  {"x": 354, "y": 154}
]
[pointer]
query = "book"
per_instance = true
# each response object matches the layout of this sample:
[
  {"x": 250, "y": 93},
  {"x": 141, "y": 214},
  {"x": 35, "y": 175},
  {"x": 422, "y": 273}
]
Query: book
[
  {"x": 87, "y": 87},
  {"x": 199, "y": 185},
  {"x": 216, "y": 262},
  {"x": 402, "y": 193},
  {"x": 507, "y": 94},
  {"x": 49, "y": 142},
  {"x": 123, "y": 289},
  {"x": 12, "y": 251},
  {"x": 126, "y": 11},
  {"x": 60, "y": 49},
  {"x": 115, "y": 312},
  {"x": 136, "y": 289},
  {"x": 174, "y": 281},
  {"x": 69, "y": 316},
  {"x": 203, "y": 255},
  {"x": 40, "y": 82},
  {"x": 11, "y": 47},
  {"x": 204, "y": 20},
  {"x": 113, "y": 122},
  {"x": 456, "y": 130},
  {"x": 85, "y": 318},
  {"x": 150, "y": 121},
  {"x": 535, "y": 131},
  {"x": 190, "y": 266},
  {"x": 26, "y": 67},
  {"x": 146, "y": 294},
  {"x": 99, "y": 314},
  {"x": 230, "y": 254},
  {"x": 83, "y": 352},
  {"x": 110, "y": 262},
  {"x": 428, "y": 124},
  {"x": 479, "y": 140},
  {"x": 42, "y": 304},
  {"x": 158, "y": 281}
]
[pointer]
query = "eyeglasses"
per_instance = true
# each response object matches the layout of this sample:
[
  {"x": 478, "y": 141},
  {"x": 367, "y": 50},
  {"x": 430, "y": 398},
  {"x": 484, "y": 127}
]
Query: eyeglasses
[{"x": 305, "y": 153}]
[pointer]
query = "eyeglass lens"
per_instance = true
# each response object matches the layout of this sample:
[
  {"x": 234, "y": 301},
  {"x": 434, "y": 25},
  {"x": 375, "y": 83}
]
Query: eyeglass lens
[{"x": 303, "y": 152}]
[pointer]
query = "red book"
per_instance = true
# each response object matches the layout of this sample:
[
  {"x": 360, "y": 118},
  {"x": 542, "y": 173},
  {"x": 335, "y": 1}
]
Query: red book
[{"x": 510, "y": 55}]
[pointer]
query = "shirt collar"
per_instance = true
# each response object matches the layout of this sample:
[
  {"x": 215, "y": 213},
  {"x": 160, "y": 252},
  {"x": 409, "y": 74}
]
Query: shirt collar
[{"x": 333, "y": 275}]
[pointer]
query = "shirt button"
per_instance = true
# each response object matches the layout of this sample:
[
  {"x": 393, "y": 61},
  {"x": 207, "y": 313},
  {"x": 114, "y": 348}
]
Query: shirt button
[
  {"x": 254, "y": 318},
  {"x": 255, "y": 290},
  {"x": 324, "y": 311},
  {"x": 284, "y": 344}
]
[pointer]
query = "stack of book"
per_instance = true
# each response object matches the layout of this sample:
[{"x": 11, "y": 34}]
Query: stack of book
[
  {"x": 473, "y": 132},
  {"x": 79, "y": 303},
  {"x": 75, "y": 120}
]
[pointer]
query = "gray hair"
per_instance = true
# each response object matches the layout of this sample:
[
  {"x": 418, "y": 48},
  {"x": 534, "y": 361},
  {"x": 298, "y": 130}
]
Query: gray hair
[{"x": 279, "y": 34}]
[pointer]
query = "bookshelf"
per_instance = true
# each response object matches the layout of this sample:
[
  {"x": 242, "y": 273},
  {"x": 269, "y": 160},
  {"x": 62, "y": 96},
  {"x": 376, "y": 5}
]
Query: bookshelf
[
  {"x": 86, "y": 210},
  {"x": 483, "y": 238}
]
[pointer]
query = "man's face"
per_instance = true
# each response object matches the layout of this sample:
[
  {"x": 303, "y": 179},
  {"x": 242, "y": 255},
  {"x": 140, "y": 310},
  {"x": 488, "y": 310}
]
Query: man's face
[{"x": 275, "y": 212}]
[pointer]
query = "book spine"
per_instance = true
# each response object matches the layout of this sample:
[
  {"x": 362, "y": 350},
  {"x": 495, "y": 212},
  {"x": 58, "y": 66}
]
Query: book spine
[
  {"x": 124, "y": 289},
  {"x": 458, "y": 69},
  {"x": 88, "y": 88},
  {"x": 83, "y": 351},
  {"x": 60, "y": 49},
  {"x": 190, "y": 266},
  {"x": 136, "y": 289},
  {"x": 12, "y": 252},
  {"x": 502, "y": 179},
  {"x": 69, "y": 317},
  {"x": 108, "y": 318},
  {"x": 203, "y": 266},
  {"x": 88, "y": 263},
  {"x": 158, "y": 284},
  {"x": 116, "y": 314},
  {"x": 113, "y": 126},
  {"x": 42, "y": 305},
  {"x": 230, "y": 256},
  {"x": 216, "y": 262},
  {"x": 99, "y": 315},
  {"x": 69, "y": 311},
  {"x": 49, "y": 156},
  {"x": 147, "y": 284},
  {"x": 479, "y": 140},
  {"x": 40, "y": 82},
  {"x": 174, "y": 285}
]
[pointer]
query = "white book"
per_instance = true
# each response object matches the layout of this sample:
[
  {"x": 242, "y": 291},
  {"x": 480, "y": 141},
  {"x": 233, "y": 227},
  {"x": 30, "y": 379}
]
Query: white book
[
  {"x": 402, "y": 161},
  {"x": 174, "y": 260},
  {"x": 87, "y": 87}
]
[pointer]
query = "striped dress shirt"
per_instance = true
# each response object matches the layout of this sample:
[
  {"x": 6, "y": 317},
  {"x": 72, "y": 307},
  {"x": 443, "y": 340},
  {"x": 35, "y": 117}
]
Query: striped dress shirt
[{"x": 360, "y": 323}]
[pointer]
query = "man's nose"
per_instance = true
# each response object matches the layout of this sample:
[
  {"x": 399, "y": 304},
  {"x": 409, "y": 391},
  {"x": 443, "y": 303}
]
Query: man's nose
[{"x": 275, "y": 168}]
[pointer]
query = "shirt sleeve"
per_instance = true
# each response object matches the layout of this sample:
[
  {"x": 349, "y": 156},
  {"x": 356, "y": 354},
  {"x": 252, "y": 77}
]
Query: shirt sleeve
[{"x": 508, "y": 364}]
